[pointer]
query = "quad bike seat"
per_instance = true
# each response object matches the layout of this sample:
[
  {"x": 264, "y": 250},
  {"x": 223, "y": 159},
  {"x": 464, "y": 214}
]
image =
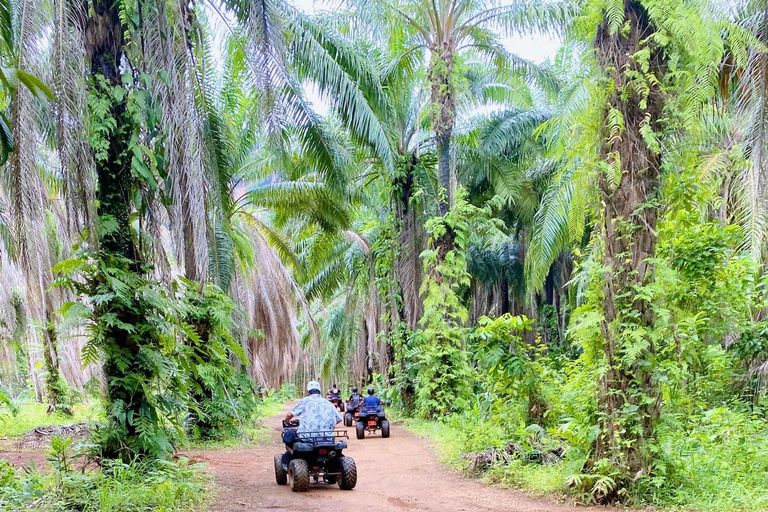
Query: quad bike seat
[{"x": 379, "y": 411}]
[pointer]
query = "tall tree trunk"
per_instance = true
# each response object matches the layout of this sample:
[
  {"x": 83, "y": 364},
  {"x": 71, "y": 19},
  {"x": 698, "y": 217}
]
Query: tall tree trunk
[
  {"x": 53, "y": 388},
  {"x": 629, "y": 232},
  {"x": 412, "y": 237},
  {"x": 104, "y": 47},
  {"x": 122, "y": 361},
  {"x": 443, "y": 116},
  {"x": 504, "y": 296}
]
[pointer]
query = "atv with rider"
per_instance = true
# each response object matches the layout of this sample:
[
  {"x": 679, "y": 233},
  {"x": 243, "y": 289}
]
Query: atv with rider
[
  {"x": 312, "y": 456},
  {"x": 353, "y": 408},
  {"x": 334, "y": 396},
  {"x": 370, "y": 419}
]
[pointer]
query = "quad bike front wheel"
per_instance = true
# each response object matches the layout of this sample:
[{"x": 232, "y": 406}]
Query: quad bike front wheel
[
  {"x": 348, "y": 419},
  {"x": 348, "y": 478},
  {"x": 298, "y": 475},
  {"x": 360, "y": 430},
  {"x": 280, "y": 477},
  {"x": 385, "y": 428}
]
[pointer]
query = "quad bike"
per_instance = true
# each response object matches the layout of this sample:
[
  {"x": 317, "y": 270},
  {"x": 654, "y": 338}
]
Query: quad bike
[
  {"x": 371, "y": 419},
  {"x": 337, "y": 402},
  {"x": 312, "y": 456},
  {"x": 353, "y": 412}
]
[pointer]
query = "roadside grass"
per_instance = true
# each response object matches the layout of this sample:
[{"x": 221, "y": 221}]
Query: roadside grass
[
  {"x": 446, "y": 441},
  {"x": 718, "y": 463},
  {"x": 33, "y": 415},
  {"x": 452, "y": 443}
]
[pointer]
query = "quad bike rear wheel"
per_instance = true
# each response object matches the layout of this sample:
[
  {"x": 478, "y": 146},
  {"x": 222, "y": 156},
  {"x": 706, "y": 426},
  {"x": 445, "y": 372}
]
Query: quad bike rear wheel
[
  {"x": 385, "y": 428},
  {"x": 298, "y": 475},
  {"x": 360, "y": 430},
  {"x": 341, "y": 406},
  {"x": 348, "y": 419},
  {"x": 280, "y": 476},
  {"x": 348, "y": 478}
]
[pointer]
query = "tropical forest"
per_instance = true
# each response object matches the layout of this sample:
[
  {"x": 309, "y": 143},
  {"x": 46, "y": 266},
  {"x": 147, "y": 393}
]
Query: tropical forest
[{"x": 530, "y": 237}]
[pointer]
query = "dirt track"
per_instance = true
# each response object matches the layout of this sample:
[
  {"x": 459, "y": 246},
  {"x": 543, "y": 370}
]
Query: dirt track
[{"x": 396, "y": 474}]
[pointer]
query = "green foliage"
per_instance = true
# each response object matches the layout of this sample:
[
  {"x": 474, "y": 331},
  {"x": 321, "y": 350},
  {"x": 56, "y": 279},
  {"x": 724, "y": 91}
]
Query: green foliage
[
  {"x": 514, "y": 369},
  {"x": 221, "y": 394},
  {"x": 25, "y": 415},
  {"x": 443, "y": 375},
  {"x": 18, "y": 489},
  {"x": 130, "y": 323},
  {"x": 131, "y": 487}
]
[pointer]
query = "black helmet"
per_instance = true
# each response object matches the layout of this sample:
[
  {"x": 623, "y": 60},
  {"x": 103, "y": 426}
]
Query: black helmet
[
  {"x": 370, "y": 390},
  {"x": 334, "y": 385},
  {"x": 354, "y": 389}
]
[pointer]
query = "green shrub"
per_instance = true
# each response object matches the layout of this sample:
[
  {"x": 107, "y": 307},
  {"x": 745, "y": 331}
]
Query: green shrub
[{"x": 138, "y": 486}]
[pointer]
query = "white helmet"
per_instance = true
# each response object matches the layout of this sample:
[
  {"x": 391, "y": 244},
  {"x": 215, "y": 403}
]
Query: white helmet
[{"x": 313, "y": 384}]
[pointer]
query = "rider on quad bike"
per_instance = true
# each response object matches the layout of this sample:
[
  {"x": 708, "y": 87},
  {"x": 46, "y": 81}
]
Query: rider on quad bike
[
  {"x": 371, "y": 416},
  {"x": 353, "y": 407},
  {"x": 334, "y": 396},
  {"x": 312, "y": 448},
  {"x": 371, "y": 401}
]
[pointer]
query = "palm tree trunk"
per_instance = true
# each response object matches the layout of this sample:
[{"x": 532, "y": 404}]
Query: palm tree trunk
[
  {"x": 630, "y": 240},
  {"x": 104, "y": 48},
  {"x": 443, "y": 116},
  {"x": 53, "y": 389},
  {"x": 408, "y": 267}
]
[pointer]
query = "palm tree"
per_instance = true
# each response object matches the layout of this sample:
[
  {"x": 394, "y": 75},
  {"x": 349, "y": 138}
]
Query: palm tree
[
  {"x": 447, "y": 30},
  {"x": 617, "y": 158}
]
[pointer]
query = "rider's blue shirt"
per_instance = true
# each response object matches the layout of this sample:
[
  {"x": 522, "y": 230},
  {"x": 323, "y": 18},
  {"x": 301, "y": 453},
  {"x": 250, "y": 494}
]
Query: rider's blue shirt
[
  {"x": 371, "y": 401},
  {"x": 316, "y": 414}
]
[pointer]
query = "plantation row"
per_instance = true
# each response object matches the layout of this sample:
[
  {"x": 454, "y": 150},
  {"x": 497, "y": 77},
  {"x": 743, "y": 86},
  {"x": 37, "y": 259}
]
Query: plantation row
[{"x": 557, "y": 269}]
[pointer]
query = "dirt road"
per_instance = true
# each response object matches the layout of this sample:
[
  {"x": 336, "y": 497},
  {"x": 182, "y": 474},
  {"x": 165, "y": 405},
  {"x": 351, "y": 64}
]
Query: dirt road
[{"x": 394, "y": 475}]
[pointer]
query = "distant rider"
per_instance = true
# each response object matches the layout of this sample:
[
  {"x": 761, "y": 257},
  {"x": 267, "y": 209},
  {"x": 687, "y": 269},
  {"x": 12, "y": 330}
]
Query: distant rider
[
  {"x": 334, "y": 393},
  {"x": 371, "y": 401},
  {"x": 355, "y": 397}
]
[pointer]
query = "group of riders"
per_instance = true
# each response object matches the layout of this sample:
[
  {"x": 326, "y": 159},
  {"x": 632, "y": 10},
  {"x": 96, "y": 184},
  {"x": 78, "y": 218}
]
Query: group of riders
[
  {"x": 369, "y": 402},
  {"x": 314, "y": 449},
  {"x": 319, "y": 414}
]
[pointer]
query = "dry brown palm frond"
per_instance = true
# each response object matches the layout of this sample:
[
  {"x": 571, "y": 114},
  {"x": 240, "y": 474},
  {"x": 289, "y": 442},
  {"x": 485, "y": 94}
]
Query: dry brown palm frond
[
  {"x": 165, "y": 45},
  {"x": 70, "y": 110},
  {"x": 267, "y": 294},
  {"x": 408, "y": 267},
  {"x": 27, "y": 189}
]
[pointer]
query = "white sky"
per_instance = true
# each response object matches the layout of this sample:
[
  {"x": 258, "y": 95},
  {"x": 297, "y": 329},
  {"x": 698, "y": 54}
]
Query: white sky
[{"x": 536, "y": 48}]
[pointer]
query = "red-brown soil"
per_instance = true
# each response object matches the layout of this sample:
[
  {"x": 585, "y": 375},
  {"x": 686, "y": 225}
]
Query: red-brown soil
[{"x": 394, "y": 475}]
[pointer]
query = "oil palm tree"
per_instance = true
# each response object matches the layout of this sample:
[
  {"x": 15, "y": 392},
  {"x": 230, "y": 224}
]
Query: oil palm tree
[{"x": 444, "y": 32}]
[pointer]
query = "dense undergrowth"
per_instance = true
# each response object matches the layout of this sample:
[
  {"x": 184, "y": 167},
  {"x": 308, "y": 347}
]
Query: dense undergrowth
[
  {"x": 715, "y": 461},
  {"x": 502, "y": 404},
  {"x": 157, "y": 485}
]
